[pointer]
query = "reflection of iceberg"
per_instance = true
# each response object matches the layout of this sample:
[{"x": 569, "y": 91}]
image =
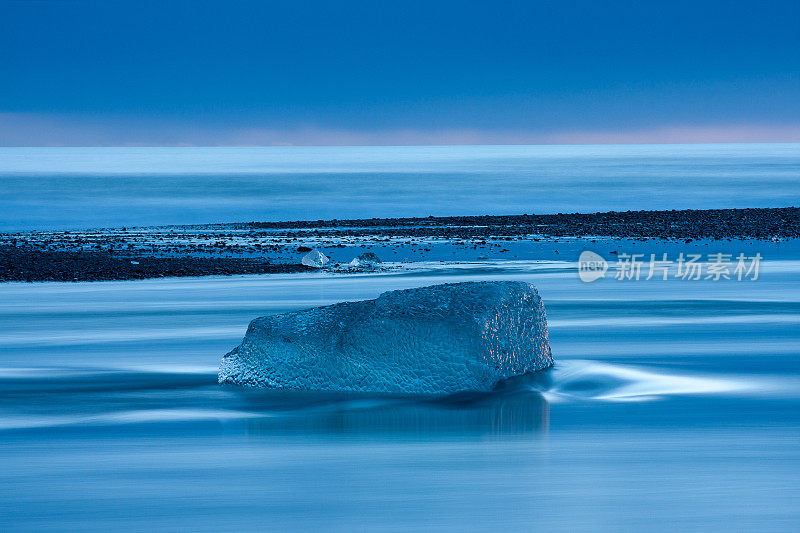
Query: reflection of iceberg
[
  {"x": 513, "y": 413},
  {"x": 431, "y": 340}
]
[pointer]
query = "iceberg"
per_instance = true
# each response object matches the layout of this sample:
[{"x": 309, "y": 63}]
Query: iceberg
[{"x": 439, "y": 339}]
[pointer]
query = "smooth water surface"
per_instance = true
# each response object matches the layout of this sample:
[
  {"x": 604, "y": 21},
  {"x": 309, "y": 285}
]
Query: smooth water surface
[
  {"x": 674, "y": 405},
  {"x": 81, "y": 188}
]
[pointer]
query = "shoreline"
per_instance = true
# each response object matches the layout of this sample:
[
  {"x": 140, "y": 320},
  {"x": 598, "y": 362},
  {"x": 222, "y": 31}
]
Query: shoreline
[
  {"x": 277, "y": 247},
  {"x": 756, "y": 223},
  {"x": 30, "y": 265}
]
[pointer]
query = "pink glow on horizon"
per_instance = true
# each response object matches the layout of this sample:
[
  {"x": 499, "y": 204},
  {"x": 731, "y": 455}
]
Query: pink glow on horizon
[{"x": 22, "y": 129}]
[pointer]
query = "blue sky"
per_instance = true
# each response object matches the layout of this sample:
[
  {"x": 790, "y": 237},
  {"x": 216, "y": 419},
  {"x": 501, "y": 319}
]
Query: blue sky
[{"x": 378, "y": 72}]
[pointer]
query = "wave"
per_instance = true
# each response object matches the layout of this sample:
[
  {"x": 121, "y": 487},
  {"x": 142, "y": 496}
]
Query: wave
[
  {"x": 592, "y": 380},
  {"x": 47, "y": 397}
]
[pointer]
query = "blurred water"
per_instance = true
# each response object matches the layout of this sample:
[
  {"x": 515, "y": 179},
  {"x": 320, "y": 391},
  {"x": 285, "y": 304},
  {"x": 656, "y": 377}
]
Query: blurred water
[
  {"x": 108, "y": 187},
  {"x": 674, "y": 405}
]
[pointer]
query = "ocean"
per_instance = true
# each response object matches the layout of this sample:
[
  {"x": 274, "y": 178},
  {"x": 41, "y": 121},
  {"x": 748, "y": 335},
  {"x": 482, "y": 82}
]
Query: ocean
[
  {"x": 673, "y": 405},
  {"x": 83, "y": 188}
]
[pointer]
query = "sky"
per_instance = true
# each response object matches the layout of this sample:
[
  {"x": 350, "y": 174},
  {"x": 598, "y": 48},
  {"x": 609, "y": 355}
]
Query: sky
[{"x": 239, "y": 72}]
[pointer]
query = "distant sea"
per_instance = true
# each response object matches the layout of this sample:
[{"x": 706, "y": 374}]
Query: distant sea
[{"x": 81, "y": 188}]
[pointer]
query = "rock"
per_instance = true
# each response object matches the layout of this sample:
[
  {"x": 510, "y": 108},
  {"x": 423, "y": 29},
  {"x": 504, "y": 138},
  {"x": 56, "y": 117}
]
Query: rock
[
  {"x": 315, "y": 259},
  {"x": 303, "y": 249},
  {"x": 431, "y": 340}
]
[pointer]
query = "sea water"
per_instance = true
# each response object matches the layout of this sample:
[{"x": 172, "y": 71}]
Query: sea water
[
  {"x": 673, "y": 405},
  {"x": 82, "y": 188}
]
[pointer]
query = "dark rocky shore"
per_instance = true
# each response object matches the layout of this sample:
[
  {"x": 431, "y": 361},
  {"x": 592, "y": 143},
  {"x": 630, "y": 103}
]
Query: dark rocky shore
[
  {"x": 276, "y": 247},
  {"x": 30, "y": 264},
  {"x": 675, "y": 224}
]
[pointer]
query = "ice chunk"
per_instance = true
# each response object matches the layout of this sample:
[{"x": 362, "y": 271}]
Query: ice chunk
[
  {"x": 367, "y": 260},
  {"x": 369, "y": 257},
  {"x": 431, "y": 340},
  {"x": 315, "y": 259}
]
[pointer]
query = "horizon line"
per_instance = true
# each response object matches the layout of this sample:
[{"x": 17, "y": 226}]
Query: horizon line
[{"x": 388, "y": 145}]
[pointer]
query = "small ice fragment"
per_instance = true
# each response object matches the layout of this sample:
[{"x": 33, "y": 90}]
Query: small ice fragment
[
  {"x": 315, "y": 259},
  {"x": 369, "y": 257},
  {"x": 365, "y": 260}
]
